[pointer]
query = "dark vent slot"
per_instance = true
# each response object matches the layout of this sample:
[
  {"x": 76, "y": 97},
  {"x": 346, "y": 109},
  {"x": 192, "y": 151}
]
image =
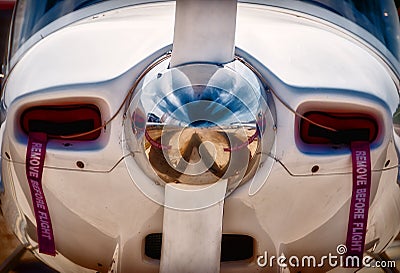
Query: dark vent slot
[
  {"x": 339, "y": 137},
  {"x": 152, "y": 246},
  {"x": 346, "y": 128},
  {"x": 63, "y": 121},
  {"x": 234, "y": 247},
  {"x": 61, "y": 128}
]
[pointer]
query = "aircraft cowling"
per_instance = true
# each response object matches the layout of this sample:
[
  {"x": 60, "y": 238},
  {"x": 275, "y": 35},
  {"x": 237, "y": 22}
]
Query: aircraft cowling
[{"x": 98, "y": 209}]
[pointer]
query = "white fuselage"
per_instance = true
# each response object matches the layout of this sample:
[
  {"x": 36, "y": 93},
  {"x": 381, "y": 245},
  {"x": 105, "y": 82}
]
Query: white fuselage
[{"x": 105, "y": 209}]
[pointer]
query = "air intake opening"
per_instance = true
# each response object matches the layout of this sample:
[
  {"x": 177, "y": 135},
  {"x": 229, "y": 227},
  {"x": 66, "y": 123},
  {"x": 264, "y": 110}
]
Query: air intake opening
[
  {"x": 346, "y": 128},
  {"x": 66, "y": 120},
  {"x": 234, "y": 247}
]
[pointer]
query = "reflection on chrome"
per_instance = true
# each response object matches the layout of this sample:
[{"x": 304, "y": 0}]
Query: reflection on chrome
[
  {"x": 200, "y": 155},
  {"x": 200, "y": 123}
]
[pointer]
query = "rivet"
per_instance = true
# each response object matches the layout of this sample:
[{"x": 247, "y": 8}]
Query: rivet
[
  {"x": 80, "y": 164},
  {"x": 315, "y": 169}
]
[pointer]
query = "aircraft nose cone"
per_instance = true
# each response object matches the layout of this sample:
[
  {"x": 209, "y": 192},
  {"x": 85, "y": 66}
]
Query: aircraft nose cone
[{"x": 198, "y": 124}]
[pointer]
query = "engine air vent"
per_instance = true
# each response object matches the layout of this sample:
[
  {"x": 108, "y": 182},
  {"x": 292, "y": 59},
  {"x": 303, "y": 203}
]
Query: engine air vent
[
  {"x": 59, "y": 121},
  {"x": 234, "y": 247},
  {"x": 346, "y": 128}
]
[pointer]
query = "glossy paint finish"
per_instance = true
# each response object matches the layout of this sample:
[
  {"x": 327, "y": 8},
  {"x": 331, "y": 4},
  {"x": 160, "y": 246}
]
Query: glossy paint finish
[{"x": 105, "y": 208}]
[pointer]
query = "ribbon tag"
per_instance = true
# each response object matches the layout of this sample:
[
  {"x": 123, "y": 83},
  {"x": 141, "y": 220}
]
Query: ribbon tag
[
  {"x": 35, "y": 155},
  {"x": 359, "y": 207}
]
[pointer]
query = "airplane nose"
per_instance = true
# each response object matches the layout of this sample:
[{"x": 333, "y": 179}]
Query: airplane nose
[{"x": 199, "y": 124}]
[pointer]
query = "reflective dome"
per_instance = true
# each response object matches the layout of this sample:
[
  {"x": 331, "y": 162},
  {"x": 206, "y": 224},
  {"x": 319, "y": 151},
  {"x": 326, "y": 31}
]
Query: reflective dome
[{"x": 199, "y": 123}]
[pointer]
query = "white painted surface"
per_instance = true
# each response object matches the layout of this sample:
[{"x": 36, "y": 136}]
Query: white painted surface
[
  {"x": 306, "y": 61},
  {"x": 204, "y": 31},
  {"x": 300, "y": 51},
  {"x": 192, "y": 238}
]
